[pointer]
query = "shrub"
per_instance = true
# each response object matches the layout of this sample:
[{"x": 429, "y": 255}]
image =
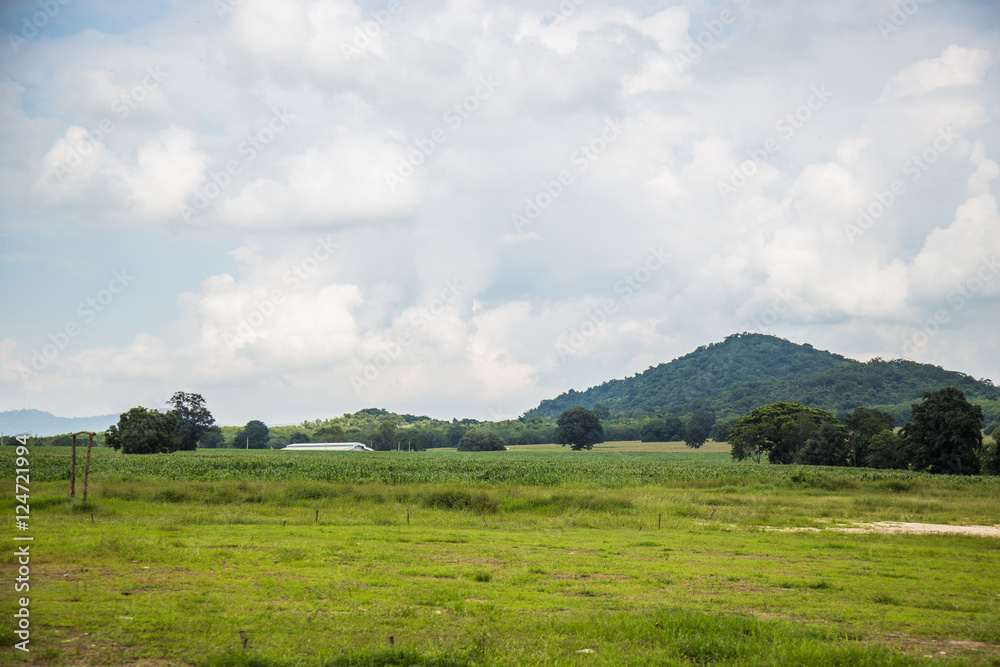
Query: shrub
[{"x": 481, "y": 440}]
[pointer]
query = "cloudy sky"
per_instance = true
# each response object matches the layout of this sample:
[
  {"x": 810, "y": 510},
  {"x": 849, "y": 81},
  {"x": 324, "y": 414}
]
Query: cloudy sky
[{"x": 459, "y": 208}]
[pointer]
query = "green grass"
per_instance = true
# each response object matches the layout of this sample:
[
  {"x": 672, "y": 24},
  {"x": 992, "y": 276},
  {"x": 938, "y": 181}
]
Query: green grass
[{"x": 319, "y": 570}]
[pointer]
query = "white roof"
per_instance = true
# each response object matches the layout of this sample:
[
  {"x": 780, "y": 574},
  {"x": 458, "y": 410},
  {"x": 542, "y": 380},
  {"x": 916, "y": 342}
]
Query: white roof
[{"x": 330, "y": 447}]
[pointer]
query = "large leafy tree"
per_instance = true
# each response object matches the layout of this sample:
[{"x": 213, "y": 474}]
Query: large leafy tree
[
  {"x": 885, "y": 450},
  {"x": 385, "y": 437},
  {"x": 827, "y": 446},
  {"x": 862, "y": 425},
  {"x": 481, "y": 440},
  {"x": 142, "y": 431},
  {"x": 703, "y": 419},
  {"x": 255, "y": 435},
  {"x": 779, "y": 430},
  {"x": 695, "y": 436},
  {"x": 945, "y": 435},
  {"x": 579, "y": 428},
  {"x": 193, "y": 418},
  {"x": 698, "y": 428}
]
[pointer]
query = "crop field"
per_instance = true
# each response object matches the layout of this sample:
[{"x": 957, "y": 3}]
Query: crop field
[{"x": 631, "y": 554}]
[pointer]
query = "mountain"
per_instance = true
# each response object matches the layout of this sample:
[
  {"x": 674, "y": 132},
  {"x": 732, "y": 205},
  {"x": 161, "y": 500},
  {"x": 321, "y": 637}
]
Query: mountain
[
  {"x": 748, "y": 370},
  {"x": 36, "y": 422}
]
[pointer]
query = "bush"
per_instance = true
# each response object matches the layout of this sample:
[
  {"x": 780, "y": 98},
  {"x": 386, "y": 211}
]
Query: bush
[
  {"x": 481, "y": 440},
  {"x": 454, "y": 499}
]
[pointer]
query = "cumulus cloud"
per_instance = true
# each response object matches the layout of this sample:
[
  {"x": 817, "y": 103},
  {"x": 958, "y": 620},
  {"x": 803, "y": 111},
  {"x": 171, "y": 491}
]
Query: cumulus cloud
[
  {"x": 366, "y": 171},
  {"x": 81, "y": 170},
  {"x": 957, "y": 66}
]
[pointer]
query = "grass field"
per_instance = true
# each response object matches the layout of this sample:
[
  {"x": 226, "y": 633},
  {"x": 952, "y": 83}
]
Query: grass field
[{"x": 628, "y": 554}]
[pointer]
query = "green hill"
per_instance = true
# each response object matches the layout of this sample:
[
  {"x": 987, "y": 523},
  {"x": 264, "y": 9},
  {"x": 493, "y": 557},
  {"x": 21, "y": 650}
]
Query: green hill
[{"x": 748, "y": 370}]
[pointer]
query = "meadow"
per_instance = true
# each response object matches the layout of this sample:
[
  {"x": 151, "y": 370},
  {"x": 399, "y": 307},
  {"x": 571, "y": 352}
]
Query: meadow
[{"x": 629, "y": 554}]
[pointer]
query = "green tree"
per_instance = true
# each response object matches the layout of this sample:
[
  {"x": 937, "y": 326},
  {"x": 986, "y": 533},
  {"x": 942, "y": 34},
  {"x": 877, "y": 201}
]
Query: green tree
[
  {"x": 254, "y": 435},
  {"x": 652, "y": 431},
  {"x": 211, "y": 438},
  {"x": 385, "y": 437},
  {"x": 779, "y": 430},
  {"x": 703, "y": 419},
  {"x": 142, "y": 431},
  {"x": 827, "y": 446},
  {"x": 601, "y": 411},
  {"x": 885, "y": 450},
  {"x": 945, "y": 436},
  {"x": 297, "y": 438},
  {"x": 579, "y": 428},
  {"x": 695, "y": 436},
  {"x": 481, "y": 440},
  {"x": 193, "y": 418},
  {"x": 863, "y": 424}
]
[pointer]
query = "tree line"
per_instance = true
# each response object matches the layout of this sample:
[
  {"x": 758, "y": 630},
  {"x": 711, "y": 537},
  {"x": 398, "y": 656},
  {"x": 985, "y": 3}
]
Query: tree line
[{"x": 944, "y": 436}]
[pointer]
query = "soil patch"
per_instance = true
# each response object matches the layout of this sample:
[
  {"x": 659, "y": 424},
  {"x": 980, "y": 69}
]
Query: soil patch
[{"x": 903, "y": 527}]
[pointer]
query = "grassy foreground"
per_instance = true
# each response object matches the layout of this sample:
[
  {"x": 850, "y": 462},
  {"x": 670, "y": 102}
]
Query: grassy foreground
[{"x": 644, "y": 558}]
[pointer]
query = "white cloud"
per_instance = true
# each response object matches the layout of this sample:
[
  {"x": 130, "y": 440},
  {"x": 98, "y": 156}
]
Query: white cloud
[
  {"x": 957, "y": 66},
  {"x": 80, "y": 170},
  {"x": 336, "y": 181},
  {"x": 775, "y": 245}
]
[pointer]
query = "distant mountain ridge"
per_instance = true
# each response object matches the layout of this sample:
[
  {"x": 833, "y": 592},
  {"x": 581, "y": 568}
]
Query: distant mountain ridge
[
  {"x": 39, "y": 423},
  {"x": 748, "y": 370}
]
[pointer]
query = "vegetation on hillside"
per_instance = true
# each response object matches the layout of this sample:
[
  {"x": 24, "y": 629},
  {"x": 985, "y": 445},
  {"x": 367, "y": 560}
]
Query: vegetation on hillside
[{"x": 746, "y": 371}]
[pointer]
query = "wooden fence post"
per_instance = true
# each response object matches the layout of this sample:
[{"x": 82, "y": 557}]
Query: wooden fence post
[
  {"x": 72, "y": 468},
  {"x": 86, "y": 469}
]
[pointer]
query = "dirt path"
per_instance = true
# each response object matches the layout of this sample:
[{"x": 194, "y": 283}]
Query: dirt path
[{"x": 907, "y": 528}]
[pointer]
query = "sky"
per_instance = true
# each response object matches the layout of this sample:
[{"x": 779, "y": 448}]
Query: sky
[{"x": 458, "y": 208}]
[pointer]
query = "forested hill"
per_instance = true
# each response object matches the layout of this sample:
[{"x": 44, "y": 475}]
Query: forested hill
[{"x": 749, "y": 370}]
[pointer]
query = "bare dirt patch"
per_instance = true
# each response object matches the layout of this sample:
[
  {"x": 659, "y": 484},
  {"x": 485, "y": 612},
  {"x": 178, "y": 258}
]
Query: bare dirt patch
[{"x": 902, "y": 527}]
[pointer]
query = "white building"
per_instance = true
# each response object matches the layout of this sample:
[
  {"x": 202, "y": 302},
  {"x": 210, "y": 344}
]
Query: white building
[{"x": 329, "y": 447}]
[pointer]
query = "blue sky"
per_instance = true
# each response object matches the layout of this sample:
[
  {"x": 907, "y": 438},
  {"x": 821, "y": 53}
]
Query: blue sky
[{"x": 459, "y": 208}]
